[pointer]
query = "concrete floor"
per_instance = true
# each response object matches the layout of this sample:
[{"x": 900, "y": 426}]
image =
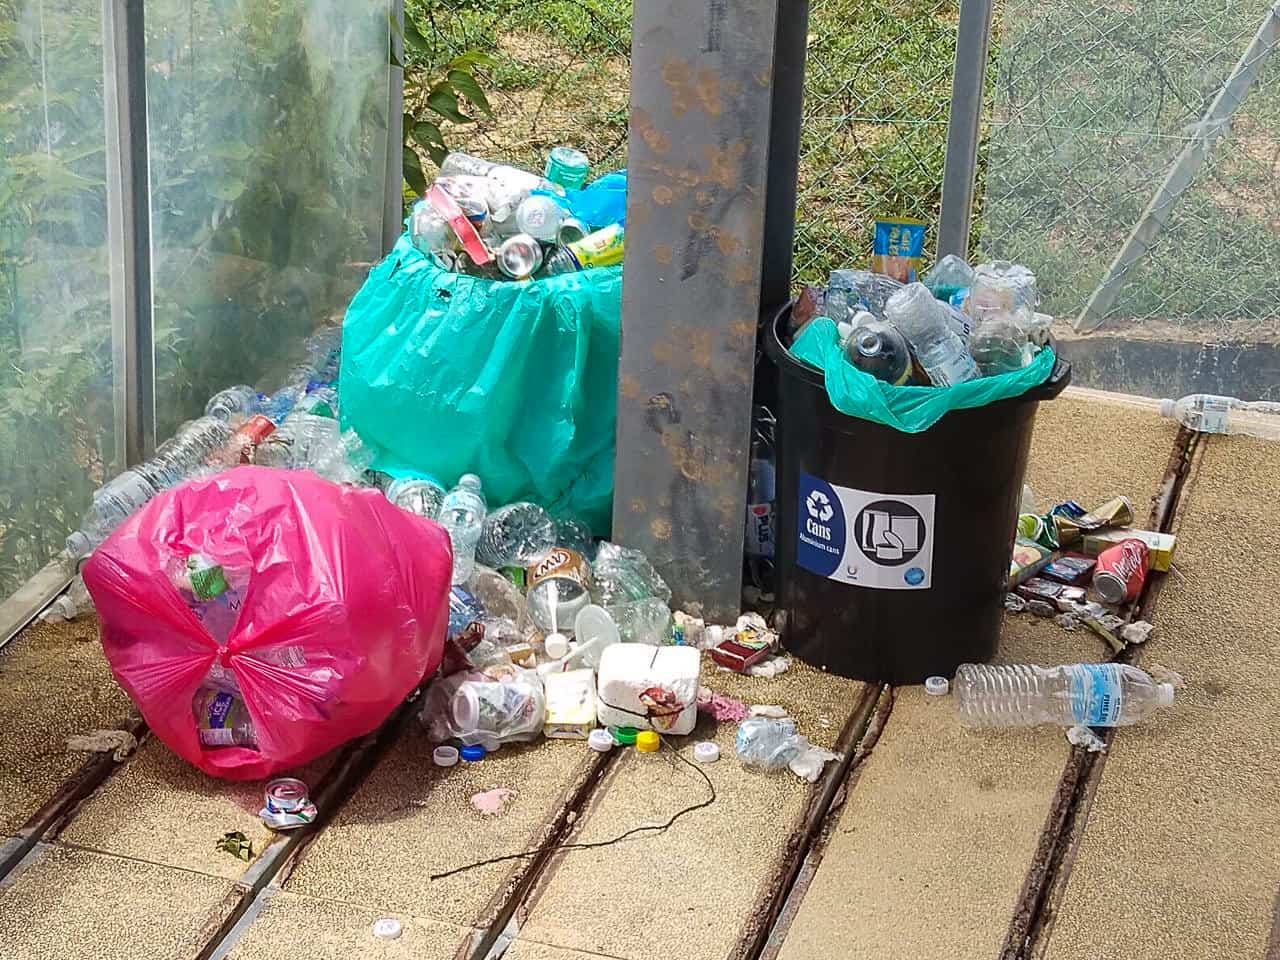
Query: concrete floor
[{"x": 1179, "y": 858}]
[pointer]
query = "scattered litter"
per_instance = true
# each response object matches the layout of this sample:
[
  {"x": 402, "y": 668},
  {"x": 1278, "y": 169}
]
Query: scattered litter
[
  {"x": 624, "y": 736},
  {"x": 119, "y": 743},
  {"x": 647, "y": 741},
  {"x": 236, "y": 844},
  {"x": 808, "y": 763},
  {"x": 937, "y": 686},
  {"x": 721, "y": 706},
  {"x": 491, "y": 803},
  {"x": 750, "y": 643},
  {"x": 704, "y": 751},
  {"x": 600, "y": 740},
  {"x": 1014, "y": 603},
  {"x": 1107, "y": 626},
  {"x": 1082, "y": 736},
  {"x": 472, "y": 752},
  {"x": 770, "y": 710},
  {"x": 1041, "y": 608},
  {"x": 773, "y": 667},
  {"x": 287, "y": 805},
  {"x": 772, "y": 745},
  {"x": 1067, "y": 621},
  {"x": 1137, "y": 632},
  {"x": 687, "y": 630},
  {"x": 649, "y": 687},
  {"x": 387, "y": 928},
  {"x": 1093, "y": 694},
  {"x": 444, "y": 756}
]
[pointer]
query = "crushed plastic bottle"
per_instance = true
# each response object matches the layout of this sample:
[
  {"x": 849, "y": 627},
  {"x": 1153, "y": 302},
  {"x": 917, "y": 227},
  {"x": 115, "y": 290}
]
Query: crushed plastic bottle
[
  {"x": 1092, "y": 694},
  {"x": 515, "y": 534},
  {"x": 234, "y": 404},
  {"x": 927, "y": 326},
  {"x": 641, "y": 621},
  {"x": 1208, "y": 413},
  {"x": 767, "y": 743},
  {"x": 417, "y": 494},
  {"x": 851, "y": 290},
  {"x": 462, "y": 514},
  {"x": 343, "y": 459},
  {"x": 621, "y": 574},
  {"x": 112, "y": 503}
]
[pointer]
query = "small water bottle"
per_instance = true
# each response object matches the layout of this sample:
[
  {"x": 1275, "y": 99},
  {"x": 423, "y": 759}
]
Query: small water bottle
[
  {"x": 1207, "y": 413},
  {"x": 420, "y": 495},
  {"x": 948, "y": 277},
  {"x": 111, "y": 505},
  {"x": 234, "y": 404},
  {"x": 1092, "y": 694},
  {"x": 927, "y": 326},
  {"x": 515, "y": 534},
  {"x": 462, "y": 514}
]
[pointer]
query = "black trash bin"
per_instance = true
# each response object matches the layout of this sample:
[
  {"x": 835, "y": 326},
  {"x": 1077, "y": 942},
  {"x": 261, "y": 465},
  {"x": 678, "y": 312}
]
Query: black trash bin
[{"x": 893, "y": 548}]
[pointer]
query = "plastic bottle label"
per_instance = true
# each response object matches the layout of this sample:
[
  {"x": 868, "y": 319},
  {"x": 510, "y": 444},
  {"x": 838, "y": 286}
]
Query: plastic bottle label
[
  {"x": 1097, "y": 694},
  {"x": 879, "y": 540},
  {"x": 760, "y": 529},
  {"x": 1213, "y": 413}
]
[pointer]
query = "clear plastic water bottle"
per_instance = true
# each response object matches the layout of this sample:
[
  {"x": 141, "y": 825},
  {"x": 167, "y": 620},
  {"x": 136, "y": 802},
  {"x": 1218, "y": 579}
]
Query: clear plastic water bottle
[
  {"x": 343, "y": 459},
  {"x": 948, "y": 277},
  {"x": 1208, "y": 413},
  {"x": 849, "y": 291},
  {"x": 515, "y": 534},
  {"x": 621, "y": 574},
  {"x": 462, "y": 513},
  {"x": 234, "y": 404},
  {"x": 767, "y": 743},
  {"x": 300, "y": 438},
  {"x": 1092, "y": 694},
  {"x": 322, "y": 401},
  {"x": 429, "y": 230},
  {"x": 196, "y": 444},
  {"x": 926, "y": 325},
  {"x": 111, "y": 504},
  {"x": 641, "y": 621},
  {"x": 999, "y": 343},
  {"x": 421, "y": 495},
  {"x": 575, "y": 533}
]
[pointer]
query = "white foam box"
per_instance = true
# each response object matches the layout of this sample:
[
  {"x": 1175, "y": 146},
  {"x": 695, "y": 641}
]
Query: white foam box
[
  {"x": 649, "y": 688},
  {"x": 571, "y": 704}
]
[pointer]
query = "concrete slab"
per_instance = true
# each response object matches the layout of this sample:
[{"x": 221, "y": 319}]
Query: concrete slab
[
  {"x": 56, "y": 683},
  {"x": 410, "y": 819},
  {"x": 934, "y": 843},
  {"x": 688, "y": 891},
  {"x": 290, "y": 926},
  {"x": 72, "y": 903},
  {"x": 1181, "y": 854},
  {"x": 529, "y": 950}
]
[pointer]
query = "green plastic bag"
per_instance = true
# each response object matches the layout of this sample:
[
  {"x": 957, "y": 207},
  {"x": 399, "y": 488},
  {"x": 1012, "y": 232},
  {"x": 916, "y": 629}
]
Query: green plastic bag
[
  {"x": 908, "y": 409},
  {"x": 447, "y": 374}
]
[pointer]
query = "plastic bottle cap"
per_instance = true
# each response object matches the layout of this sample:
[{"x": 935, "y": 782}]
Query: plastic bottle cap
[
  {"x": 936, "y": 686},
  {"x": 556, "y": 645},
  {"x": 387, "y": 928},
  {"x": 626, "y": 736},
  {"x": 706, "y": 752},
  {"x": 647, "y": 741},
  {"x": 600, "y": 740},
  {"x": 472, "y": 752},
  {"x": 1164, "y": 694},
  {"x": 1166, "y": 408},
  {"x": 444, "y": 756}
]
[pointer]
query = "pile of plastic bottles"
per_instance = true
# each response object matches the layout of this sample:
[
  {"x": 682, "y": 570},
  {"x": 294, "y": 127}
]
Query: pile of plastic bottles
[
  {"x": 500, "y": 222},
  {"x": 959, "y": 324}
]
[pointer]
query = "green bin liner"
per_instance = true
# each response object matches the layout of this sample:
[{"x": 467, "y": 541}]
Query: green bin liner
[
  {"x": 907, "y": 409},
  {"x": 447, "y": 374}
]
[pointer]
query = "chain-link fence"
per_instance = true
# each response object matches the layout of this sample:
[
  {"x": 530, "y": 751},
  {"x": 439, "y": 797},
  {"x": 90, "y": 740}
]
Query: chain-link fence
[
  {"x": 1096, "y": 106},
  {"x": 877, "y": 91}
]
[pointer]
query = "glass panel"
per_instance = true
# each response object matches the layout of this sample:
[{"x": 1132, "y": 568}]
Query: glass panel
[
  {"x": 268, "y": 123},
  {"x": 57, "y": 434},
  {"x": 1096, "y": 104}
]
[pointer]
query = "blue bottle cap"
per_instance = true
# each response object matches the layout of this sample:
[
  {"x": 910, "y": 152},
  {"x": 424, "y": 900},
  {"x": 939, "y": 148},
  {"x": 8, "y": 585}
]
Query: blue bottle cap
[{"x": 472, "y": 752}]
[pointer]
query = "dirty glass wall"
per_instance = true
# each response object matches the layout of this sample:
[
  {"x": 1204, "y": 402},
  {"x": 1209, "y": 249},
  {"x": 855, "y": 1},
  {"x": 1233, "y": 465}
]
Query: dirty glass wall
[
  {"x": 267, "y": 124},
  {"x": 1095, "y": 106},
  {"x": 57, "y": 435}
]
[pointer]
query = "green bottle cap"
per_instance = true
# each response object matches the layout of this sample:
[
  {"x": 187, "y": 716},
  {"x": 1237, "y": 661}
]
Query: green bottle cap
[{"x": 624, "y": 736}]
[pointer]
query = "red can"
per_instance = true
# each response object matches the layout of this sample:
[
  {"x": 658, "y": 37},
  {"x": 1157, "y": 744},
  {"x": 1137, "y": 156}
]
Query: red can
[
  {"x": 251, "y": 433},
  {"x": 1121, "y": 571}
]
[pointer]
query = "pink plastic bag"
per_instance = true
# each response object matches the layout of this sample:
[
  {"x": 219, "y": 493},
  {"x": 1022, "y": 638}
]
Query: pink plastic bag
[{"x": 342, "y": 612}]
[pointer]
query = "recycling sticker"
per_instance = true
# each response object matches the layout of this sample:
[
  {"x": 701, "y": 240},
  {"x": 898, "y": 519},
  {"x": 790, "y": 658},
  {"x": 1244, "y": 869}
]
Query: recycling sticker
[{"x": 879, "y": 540}]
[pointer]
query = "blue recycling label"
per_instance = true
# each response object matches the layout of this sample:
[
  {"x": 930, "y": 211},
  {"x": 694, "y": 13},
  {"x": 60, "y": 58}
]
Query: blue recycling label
[{"x": 1097, "y": 693}]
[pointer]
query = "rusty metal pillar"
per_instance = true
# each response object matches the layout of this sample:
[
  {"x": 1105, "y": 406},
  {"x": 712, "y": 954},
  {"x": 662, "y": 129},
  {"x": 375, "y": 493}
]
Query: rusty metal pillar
[{"x": 702, "y": 77}]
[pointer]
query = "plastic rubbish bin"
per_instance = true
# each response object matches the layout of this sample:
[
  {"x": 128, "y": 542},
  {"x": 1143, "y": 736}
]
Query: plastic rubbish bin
[{"x": 893, "y": 548}]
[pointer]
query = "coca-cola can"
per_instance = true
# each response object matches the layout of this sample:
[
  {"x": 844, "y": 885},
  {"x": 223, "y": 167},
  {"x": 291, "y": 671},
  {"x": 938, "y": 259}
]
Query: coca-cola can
[{"x": 1121, "y": 570}]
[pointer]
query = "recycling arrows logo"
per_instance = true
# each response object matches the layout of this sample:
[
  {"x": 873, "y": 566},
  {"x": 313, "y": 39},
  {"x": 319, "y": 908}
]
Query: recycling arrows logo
[{"x": 819, "y": 506}]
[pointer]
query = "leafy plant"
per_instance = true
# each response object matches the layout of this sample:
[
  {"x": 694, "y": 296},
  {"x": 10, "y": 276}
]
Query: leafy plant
[{"x": 435, "y": 96}]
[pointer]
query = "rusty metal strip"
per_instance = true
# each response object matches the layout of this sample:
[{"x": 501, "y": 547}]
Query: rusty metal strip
[
  {"x": 858, "y": 735},
  {"x": 1046, "y": 880},
  {"x": 54, "y": 814},
  {"x": 808, "y": 867},
  {"x": 515, "y": 900}
]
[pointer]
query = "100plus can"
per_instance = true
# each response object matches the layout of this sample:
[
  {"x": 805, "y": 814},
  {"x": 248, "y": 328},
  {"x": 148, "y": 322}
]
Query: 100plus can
[{"x": 1121, "y": 570}]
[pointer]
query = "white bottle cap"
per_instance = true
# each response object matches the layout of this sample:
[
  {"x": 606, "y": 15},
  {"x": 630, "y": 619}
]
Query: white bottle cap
[
  {"x": 600, "y": 740},
  {"x": 1164, "y": 694},
  {"x": 444, "y": 756},
  {"x": 936, "y": 686},
  {"x": 556, "y": 645},
  {"x": 1167, "y": 407},
  {"x": 387, "y": 928},
  {"x": 706, "y": 752}
]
